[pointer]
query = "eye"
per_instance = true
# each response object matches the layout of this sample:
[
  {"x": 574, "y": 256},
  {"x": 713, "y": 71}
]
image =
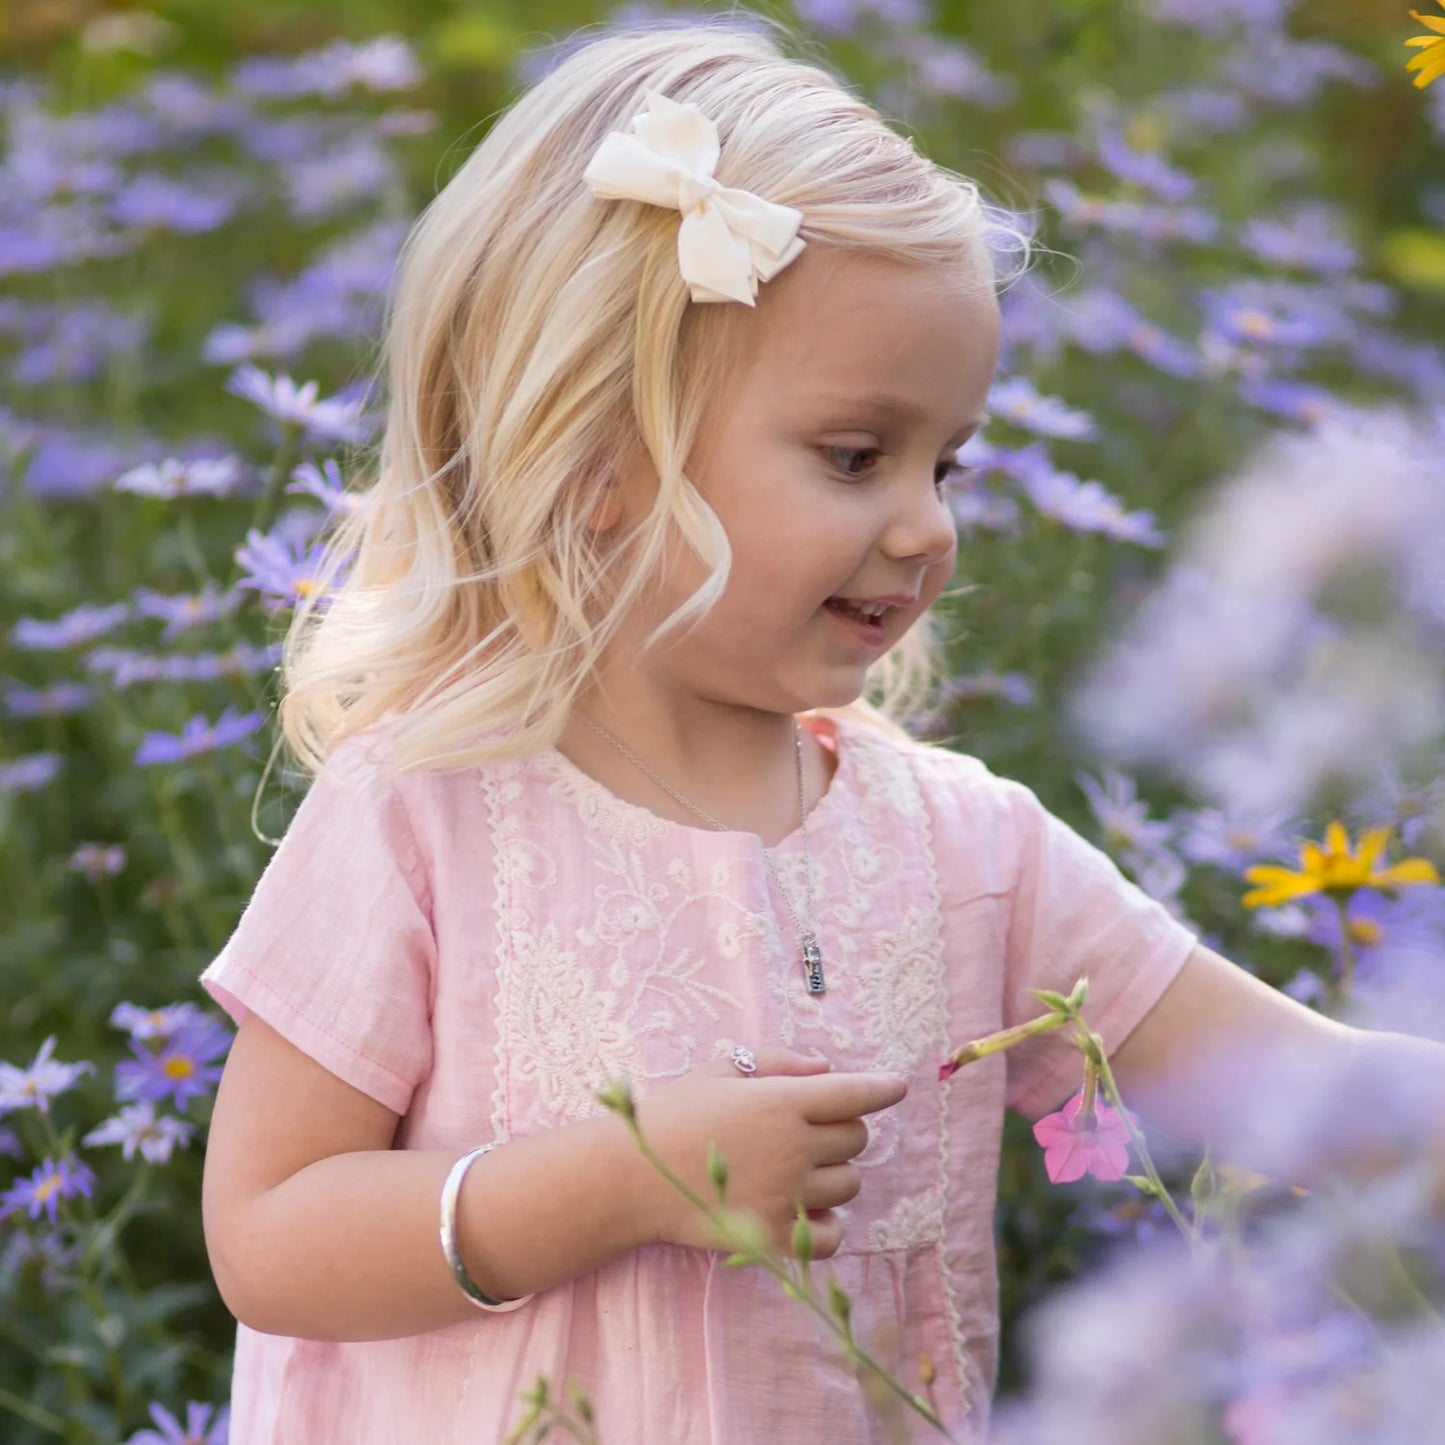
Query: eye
[
  {"x": 848, "y": 453},
  {"x": 951, "y": 471}
]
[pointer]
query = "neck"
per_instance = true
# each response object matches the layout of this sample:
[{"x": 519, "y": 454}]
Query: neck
[{"x": 742, "y": 792}]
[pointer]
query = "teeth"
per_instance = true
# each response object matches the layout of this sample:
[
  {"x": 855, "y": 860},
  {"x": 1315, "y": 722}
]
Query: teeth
[{"x": 871, "y": 612}]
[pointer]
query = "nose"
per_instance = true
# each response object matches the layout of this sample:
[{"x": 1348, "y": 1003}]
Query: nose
[{"x": 922, "y": 527}]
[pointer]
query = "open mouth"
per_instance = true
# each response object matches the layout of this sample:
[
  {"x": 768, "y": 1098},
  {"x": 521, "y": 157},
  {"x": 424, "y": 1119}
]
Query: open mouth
[{"x": 864, "y": 622}]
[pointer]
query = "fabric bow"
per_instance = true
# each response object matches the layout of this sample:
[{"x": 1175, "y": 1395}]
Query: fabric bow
[{"x": 729, "y": 240}]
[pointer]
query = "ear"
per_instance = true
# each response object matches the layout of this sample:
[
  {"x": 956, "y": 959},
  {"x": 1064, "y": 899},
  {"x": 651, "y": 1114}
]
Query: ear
[{"x": 605, "y": 510}]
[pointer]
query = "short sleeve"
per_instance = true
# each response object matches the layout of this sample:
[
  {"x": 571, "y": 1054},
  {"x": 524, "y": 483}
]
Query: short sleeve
[
  {"x": 335, "y": 949},
  {"x": 1073, "y": 913}
]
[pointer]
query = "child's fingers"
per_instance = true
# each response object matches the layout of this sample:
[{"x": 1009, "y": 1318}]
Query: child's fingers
[
  {"x": 774, "y": 1060},
  {"x": 850, "y": 1096}
]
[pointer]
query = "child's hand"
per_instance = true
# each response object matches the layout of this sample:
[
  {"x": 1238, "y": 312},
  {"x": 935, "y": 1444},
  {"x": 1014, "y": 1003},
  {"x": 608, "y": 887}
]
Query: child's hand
[{"x": 786, "y": 1132}]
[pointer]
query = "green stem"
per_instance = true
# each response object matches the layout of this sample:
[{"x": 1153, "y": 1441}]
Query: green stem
[
  {"x": 797, "y": 1286},
  {"x": 1093, "y": 1047},
  {"x": 280, "y": 466},
  {"x": 1347, "y": 946},
  {"x": 31, "y": 1413}
]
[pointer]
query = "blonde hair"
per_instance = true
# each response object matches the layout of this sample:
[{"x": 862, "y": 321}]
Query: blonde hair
[{"x": 536, "y": 338}]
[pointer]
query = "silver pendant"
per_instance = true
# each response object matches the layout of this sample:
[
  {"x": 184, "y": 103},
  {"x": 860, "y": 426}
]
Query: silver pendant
[{"x": 813, "y": 963}]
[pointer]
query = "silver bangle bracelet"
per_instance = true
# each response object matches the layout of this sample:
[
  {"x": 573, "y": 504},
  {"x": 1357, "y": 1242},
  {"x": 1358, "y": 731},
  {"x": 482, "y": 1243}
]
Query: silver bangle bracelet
[{"x": 450, "y": 1192}]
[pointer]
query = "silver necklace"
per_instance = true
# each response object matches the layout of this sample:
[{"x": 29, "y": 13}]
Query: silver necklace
[{"x": 807, "y": 938}]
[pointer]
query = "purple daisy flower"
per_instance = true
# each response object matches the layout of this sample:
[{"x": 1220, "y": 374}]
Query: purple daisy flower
[
  {"x": 327, "y": 485},
  {"x": 1122, "y": 814},
  {"x": 198, "y": 736},
  {"x": 283, "y": 569},
  {"x": 43, "y": 1190},
  {"x": 186, "y": 610},
  {"x": 204, "y": 476},
  {"x": 1142, "y": 168},
  {"x": 1089, "y": 507},
  {"x": 1233, "y": 840},
  {"x": 29, "y": 773},
  {"x": 1016, "y": 402},
  {"x": 157, "y": 203},
  {"x": 298, "y": 406},
  {"x": 155, "y": 1023},
  {"x": 200, "y": 1429},
  {"x": 97, "y": 860},
  {"x": 182, "y": 1069},
  {"x": 53, "y": 701},
  {"x": 81, "y": 624}
]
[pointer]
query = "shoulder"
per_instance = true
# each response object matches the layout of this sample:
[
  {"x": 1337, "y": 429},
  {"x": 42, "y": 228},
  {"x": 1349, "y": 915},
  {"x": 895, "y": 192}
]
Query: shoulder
[{"x": 942, "y": 772}]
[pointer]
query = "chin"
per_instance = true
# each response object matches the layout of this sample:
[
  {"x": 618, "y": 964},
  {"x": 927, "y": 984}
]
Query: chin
[{"x": 839, "y": 696}]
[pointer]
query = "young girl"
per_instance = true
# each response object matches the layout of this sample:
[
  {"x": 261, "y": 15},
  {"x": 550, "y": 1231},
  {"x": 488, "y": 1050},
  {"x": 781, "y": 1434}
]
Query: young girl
[{"x": 679, "y": 362}]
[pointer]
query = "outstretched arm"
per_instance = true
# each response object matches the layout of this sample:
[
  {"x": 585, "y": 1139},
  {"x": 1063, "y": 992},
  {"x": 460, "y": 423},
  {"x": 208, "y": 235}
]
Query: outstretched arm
[{"x": 1224, "y": 1060}]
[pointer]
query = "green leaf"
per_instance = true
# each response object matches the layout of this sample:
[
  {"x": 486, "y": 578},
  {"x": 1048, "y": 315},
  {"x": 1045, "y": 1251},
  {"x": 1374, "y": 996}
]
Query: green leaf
[{"x": 1205, "y": 1184}]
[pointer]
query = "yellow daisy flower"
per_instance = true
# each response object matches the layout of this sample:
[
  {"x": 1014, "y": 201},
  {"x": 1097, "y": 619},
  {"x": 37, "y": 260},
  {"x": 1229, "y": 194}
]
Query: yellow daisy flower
[
  {"x": 1335, "y": 868},
  {"x": 1430, "y": 62}
]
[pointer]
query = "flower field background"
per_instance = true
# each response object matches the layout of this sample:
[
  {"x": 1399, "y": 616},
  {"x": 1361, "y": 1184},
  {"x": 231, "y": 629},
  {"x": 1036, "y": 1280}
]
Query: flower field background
[{"x": 1201, "y": 609}]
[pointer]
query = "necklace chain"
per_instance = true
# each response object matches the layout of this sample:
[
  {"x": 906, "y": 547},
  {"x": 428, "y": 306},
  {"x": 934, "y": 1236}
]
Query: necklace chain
[{"x": 812, "y": 958}]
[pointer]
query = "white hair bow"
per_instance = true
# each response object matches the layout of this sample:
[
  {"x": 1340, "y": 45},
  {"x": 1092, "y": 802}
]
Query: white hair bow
[{"x": 729, "y": 240}]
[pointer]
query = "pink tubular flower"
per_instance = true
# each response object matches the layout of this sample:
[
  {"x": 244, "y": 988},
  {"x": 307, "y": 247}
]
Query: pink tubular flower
[{"x": 1071, "y": 1150}]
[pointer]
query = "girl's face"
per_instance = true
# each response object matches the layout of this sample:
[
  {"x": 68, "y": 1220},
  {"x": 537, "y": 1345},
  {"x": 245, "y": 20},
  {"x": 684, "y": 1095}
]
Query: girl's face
[{"x": 825, "y": 459}]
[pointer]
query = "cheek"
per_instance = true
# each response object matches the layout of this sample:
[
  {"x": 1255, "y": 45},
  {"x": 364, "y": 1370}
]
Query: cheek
[{"x": 941, "y": 572}]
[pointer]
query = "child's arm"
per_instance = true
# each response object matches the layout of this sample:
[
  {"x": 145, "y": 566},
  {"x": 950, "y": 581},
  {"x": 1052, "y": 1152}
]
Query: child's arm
[
  {"x": 1210, "y": 1059},
  {"x": 317, "y": 1228}
]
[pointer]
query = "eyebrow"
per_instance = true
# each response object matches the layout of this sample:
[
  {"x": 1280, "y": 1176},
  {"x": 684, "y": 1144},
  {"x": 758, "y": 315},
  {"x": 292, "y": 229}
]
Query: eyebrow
[{"x": 897, "y": 406}]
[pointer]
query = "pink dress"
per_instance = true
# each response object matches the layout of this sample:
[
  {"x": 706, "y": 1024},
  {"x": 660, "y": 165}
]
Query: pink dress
[{"x": 479, "y": 950}]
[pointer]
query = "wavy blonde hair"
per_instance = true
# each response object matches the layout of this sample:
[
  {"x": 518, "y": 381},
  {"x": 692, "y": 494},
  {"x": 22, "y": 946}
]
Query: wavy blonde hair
[{"x": 536, "y": 338}]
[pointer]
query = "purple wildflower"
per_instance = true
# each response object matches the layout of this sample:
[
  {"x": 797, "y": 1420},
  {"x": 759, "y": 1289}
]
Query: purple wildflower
[
  {"x": 137, "y": 1127},
  {"x": 327, "y": 485},
  {"x": 36, "y": 1086},
  {"x": 29, "y": 773},
  {"x": 47, "y": 1186},
  {"x": 847, "y": 17},
  {"x": 1122, "y": 814},
  {"x": 1142, "y": 168},
  {"x": 1232, "y": 840},
  {"x": 97, "y": 860},
  {"x": 284, "y": 571},
  {"x": 186, "y": 610},
  {"x": 44, "y": 1252},
  {"x": 948, "y": 67},
  {"x": 70, "y": 462},
  {"x": 156, "y": 1023},
  {"x": 294, "y": 406},
  {"x": 204, "y": 476},
  {"x": 82, "y": 624},
  {"x": 1012, "y": 687},
  {"x": 158, "y": 203},
  {"x": 180, "y": 1070},
  {"x": 321, "y": 186},
  {"x": 1016, "y": 402},
  {"x": 1224, "y": 15},
  {"x": 198, "y": 736},
  {"x": 1307, "y": 240},
  {"x": 1295, "y": 400},
  {"x": 55, "y": 700},
  {"x": 78, "y": 342},
  {"x": 200, "y": 1429},
  {"x": 1088, "y": 507}
]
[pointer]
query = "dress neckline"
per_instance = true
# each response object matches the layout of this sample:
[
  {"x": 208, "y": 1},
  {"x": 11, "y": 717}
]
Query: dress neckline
[{"x": 822, "y": 727}]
